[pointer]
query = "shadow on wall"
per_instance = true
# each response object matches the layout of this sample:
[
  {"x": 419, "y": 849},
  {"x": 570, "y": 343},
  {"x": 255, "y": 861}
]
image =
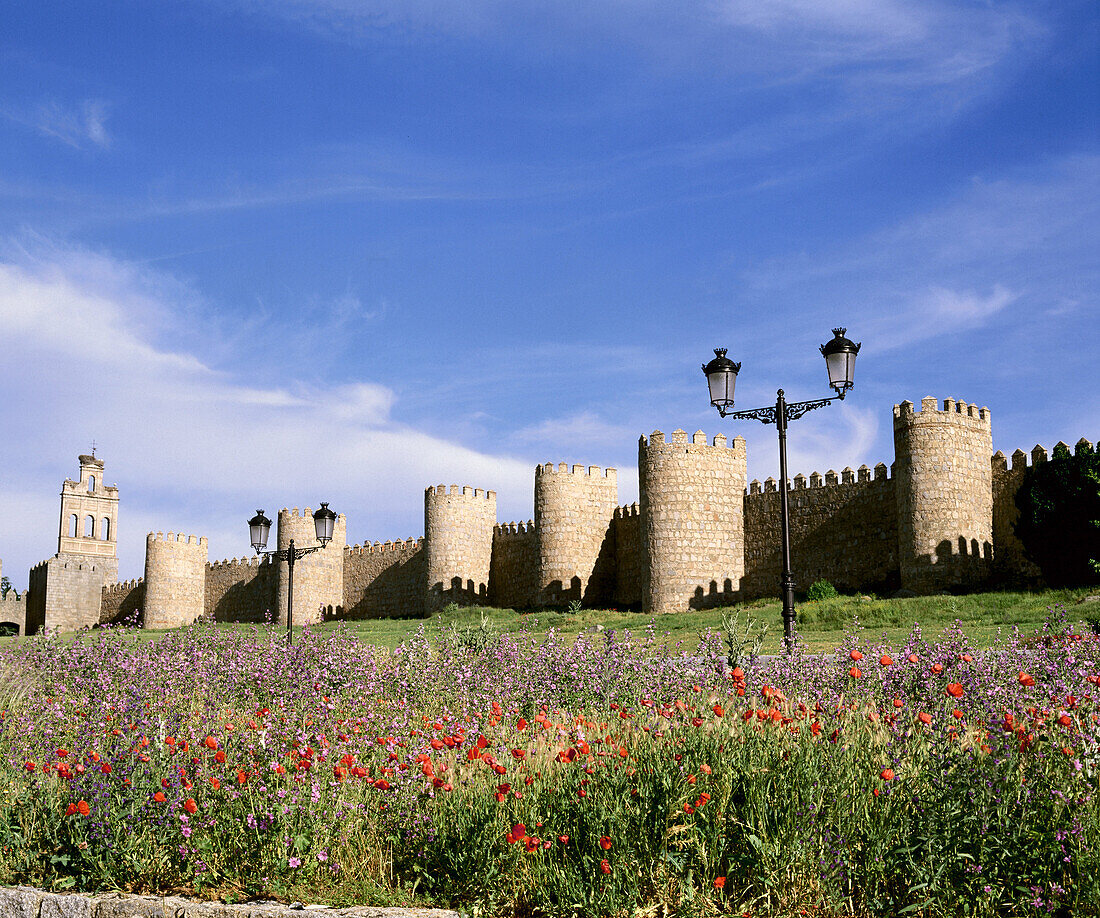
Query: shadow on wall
[
  {"x": 250, "y": 601},
  {"x": 600, "y": 591},
  {"x": 712, "y": 596},
  {"x": 130, "y": 608},
  {"x": 959, "y": 564}
]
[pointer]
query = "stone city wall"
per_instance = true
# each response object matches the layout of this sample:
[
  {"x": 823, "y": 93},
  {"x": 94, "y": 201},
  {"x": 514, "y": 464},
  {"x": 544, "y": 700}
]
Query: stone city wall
[
  {"x": 1010, "y": 563},
  {"x": 458, "y": 534},
  {"x": 123, "y": 602},
  {"x": 175, "y": 580},
  {"x": 318, "y": 577},
  {"x": 384, "y": 579},
  {"x": 513, "y": 574},
  {"x": 573, "y": 511},
  {"x": 944, "y": 485},
  {"x": 629, "y": 556},
  {"x": 692, "y": 509},
  {"x": 844, "y": 530},
  {"x": 241, "y": 590}
]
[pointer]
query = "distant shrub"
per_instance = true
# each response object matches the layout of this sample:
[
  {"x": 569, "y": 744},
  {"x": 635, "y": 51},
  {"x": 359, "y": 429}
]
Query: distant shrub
[{"x": 822, "y": 589}]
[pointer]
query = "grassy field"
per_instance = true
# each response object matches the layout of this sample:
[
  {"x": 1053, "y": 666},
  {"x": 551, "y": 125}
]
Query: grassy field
[{"x": 821, "y": 625}]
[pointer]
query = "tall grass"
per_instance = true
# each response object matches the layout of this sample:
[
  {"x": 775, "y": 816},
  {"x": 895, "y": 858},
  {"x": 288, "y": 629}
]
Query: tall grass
[{"x": 523, "y": 774}]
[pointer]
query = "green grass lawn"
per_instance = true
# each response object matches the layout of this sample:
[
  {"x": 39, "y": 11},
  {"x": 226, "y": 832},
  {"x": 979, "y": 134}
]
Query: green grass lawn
[{"x": 821, "y": 625}]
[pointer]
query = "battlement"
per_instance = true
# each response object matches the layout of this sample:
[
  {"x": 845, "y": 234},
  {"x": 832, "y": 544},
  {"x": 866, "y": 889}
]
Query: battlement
[
  {"x": 369, "y": 548},
  {"x": 307, "y": 513},
  {"x": 953, "y": 411},
  {"x": 249, "y": 561},
  {"x": 459, "y": 491},
  {"x": 848, "y": 476},
  {"x": 123, "y": 587},
  {"x": 1038, "y": 454},
  {"x": 699, "y": 438},
  {"x": 629, "y": 511},
  {"x": 587, "y": 471},
  {"x": 177, "y": 538},
  {"x": 515, "y": 529}
]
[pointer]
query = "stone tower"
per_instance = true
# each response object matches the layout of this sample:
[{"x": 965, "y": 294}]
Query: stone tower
[
  {"x": 693, "y": 520},
  {"x": 89, "y": 519},
  {"x": 318, "y": 577},
  {"x": 944, "y": 491},
  {"x": 458, "y": 542},
  {"x": 175, "y": 579},
  {"x": 574, "y": 509}
]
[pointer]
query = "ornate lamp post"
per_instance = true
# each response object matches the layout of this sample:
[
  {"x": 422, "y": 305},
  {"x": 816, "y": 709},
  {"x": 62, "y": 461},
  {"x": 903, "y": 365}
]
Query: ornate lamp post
[
  {"x": 721, "y": 373},
  {"x": 259, "y": 528}
]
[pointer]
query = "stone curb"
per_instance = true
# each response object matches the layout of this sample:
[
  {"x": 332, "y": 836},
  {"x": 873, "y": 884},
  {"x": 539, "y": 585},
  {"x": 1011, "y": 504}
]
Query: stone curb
[{"x": 25, "y": 902}]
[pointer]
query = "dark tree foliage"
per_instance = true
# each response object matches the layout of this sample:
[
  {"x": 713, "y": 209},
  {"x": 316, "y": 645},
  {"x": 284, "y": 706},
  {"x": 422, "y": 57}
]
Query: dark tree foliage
[{"x": 1059, "y": 524}]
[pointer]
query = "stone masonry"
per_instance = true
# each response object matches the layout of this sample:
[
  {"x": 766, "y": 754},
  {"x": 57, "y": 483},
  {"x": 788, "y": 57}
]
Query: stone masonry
[
  {"x": 175, "y": 580},
  {"x": 318, "y": 577},
  {"x": 945, "y": 494},
  {"x": 940, "y": 518},
  {"x": 574, "y": 507},
  {"x": 693, "y": 512},
  {"x": 458, "y": 532}
]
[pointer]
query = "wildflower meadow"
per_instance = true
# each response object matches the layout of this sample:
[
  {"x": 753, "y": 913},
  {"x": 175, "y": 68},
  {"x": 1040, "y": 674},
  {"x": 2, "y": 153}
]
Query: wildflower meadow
[{"x": 538, "y": 774}]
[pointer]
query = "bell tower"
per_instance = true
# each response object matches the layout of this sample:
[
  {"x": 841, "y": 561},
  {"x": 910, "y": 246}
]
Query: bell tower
[{"x": 89, "y": 518}]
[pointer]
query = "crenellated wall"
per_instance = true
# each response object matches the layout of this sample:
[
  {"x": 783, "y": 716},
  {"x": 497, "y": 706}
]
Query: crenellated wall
[
  {"x": 573, "y": 510},
  {"x": 175, "y": 580},
  {"x": 513, "y": 573},
  {"x": 844, "y": 529},
  {"x": 944, "y": 487},
  {"x": 241, "y": 590},
  {"x": 940, "y": 518},
  {"x": 692, "y": 510},
  {"x": 629, "y": 556},
  {"x": 123, "y": 602},
  {"x": 318, "y": 576},
  {"x": 385, "y": 579},
  {"x": 458, "y": 532}
]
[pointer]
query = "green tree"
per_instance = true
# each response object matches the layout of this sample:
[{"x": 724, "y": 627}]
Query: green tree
[
  {"x": 5, "y": 585},
  {"x": 1059, "y": 524}
]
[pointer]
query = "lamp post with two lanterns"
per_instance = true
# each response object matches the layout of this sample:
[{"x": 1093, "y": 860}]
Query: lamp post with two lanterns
[
  {"x": 259, "y": 527},
  {"x": 721, "y": 373}
]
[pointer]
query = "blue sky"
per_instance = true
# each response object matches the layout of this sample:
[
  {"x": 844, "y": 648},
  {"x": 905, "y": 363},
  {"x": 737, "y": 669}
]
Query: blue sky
[{"x": 266, "y": 254}]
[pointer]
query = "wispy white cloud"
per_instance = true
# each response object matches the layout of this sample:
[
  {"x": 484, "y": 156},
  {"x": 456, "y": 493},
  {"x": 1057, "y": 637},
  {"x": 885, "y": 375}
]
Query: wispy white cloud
[
  {"x": 76, "y": 126},
  {"x": 191, "y": 447}
]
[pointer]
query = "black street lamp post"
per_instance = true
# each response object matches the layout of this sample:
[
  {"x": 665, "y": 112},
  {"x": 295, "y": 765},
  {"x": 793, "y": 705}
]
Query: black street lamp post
[
  {"x": 259, "y": 528},
  {"x": 721, "y": 373}
]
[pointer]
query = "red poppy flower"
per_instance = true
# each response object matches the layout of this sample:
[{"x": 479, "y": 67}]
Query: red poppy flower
[
  {"x": 913, "y": 658},
  {"x": 966, "y": 658},
  {"x": 382, "y": 784},
  {"x": 718, "y": 710},
  {"x": 29, "y": 766},
  {"x": 564, "y": 839},
  {"x": 1065, "y": 720},
  {"x": 885, "y": 660},
  {"x": 937, "y": 668},
  {"x": 211, "y": 743},
  {"x": 898, "y": 703},
  {"x": 856, "y": 655},
  {"x": 190, "y": 805},
  {"x": 719, "y": 882},
  {"x": 159, "y": 797},
  {"x": 241, "y": 777},
  {"x": 955, "y": 689},
  {"x": 581, "y": 792},
  {"x": 605, "y": 843},
  {"x": 924, "y": 718},
  {"x": 70, "y": 809},
  {"x": 521, "y": 724},
  {"x": 855, "y": 672},
  {"x": 887, "y": 774},
  {"x": 519, "y": 830},
  {"x": 1026, "y": 679},
  {"x": 519, "y": 753},
  {"x": 219, "y": 756},
  {"x": 604, "y": 866}
]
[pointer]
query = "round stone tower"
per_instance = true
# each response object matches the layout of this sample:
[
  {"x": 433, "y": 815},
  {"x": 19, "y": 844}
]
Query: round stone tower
[
  {"x": 318, "y": 577},
  {"x": 458, "y": 543},
  {"x": 944, "y": 488},
  {"x": 693, "y": 520},
  {"x": 574, "y": 509},
  {"x": 175, "y": 579}
]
